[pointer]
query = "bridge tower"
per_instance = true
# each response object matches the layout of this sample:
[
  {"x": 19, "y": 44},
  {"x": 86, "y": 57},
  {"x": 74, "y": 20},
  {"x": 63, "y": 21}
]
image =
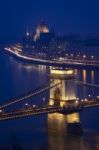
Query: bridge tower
[
  {"x": 66, "y": 90},
  {"x": 63, "y": 94}
]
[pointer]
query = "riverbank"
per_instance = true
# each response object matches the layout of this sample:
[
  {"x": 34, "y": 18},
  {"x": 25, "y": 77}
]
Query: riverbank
[{"x": 57, "y": 62}]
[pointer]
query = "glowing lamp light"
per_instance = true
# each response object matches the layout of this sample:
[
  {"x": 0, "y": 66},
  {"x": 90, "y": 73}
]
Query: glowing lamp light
[
  {"x": 0, "y": 110},
  {"x": 86, "y": 100},
  {"x": 89, "y": 95},
  {"x": 27, "y": 33},
  {"x": 44, "y": 99},
  {"x": 84, "y": 56},
  {"x": 76, "y": 101},
  {"x": 34, "y": 106},
  {"x": 26, "y": 104}
]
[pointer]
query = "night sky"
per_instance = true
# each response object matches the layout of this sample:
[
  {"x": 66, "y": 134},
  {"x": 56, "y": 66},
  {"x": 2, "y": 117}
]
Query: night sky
[{"x": 65, "y": 16}]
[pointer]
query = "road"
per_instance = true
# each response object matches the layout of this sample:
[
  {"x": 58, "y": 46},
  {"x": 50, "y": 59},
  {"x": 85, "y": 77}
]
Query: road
[{"x": 64, "y": 62}]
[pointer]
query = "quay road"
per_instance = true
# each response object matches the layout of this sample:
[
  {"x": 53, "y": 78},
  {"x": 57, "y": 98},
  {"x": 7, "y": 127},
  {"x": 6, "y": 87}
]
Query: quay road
[
  {"x": 54, "y": 62},
  {"x": 76, "y": 106}
]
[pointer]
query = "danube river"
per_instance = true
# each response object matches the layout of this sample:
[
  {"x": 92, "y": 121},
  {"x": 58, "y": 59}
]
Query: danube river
[{"x": 47, "y": 132}]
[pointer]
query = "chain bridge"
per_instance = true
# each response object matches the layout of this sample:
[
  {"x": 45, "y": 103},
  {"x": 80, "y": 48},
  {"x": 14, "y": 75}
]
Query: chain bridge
[{"x": 63, "y": 98}]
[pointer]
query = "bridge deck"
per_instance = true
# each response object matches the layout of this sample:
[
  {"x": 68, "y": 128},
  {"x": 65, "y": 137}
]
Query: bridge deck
[
  {"x": 49, "y": 109},
  {"x": 29, "y": 112}
]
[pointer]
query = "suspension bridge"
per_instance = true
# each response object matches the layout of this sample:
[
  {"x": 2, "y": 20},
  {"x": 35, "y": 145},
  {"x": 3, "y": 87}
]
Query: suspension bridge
[{"x": 67, "y": 107}]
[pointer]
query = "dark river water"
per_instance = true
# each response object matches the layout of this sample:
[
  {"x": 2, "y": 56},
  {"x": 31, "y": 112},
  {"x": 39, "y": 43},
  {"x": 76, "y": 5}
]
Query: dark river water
[{"x": 45, "y": 132}]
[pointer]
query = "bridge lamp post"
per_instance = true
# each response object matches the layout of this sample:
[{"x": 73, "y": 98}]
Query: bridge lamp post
[
  {"x": 72, "y": 55},
  {"x": 85, "y": 100},
  {"x": 78, "y": 55},
  {"x": 76, "y": 102},
  {"x": 89, "y": 96},
  {"x": 66, "y": 55},
  {"x": 77, "y": 98},
  {"x": 34, "y": 106},
  {"x": 84, "y": 56},
  {"x": 1, "y": 111},
  {"x": 92, "y": 57},
  {"x": 27, "y": 105},
  {"x": 44, "y": 99}
]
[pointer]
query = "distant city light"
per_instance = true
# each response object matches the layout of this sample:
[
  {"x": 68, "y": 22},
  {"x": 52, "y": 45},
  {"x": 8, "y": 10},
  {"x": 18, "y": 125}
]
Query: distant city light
[
  {"x": 89, "y": 95},
  {"x": 43, "y": 98},
  {"x": 34, "y": 106},
  {"x": 76, "y": 101},
  {"x": 85, "y": 100},
  {"x": 77, "y": 98},
  {"x": 84, "y": 56},
  {"x": 27, "y": 33},
  {"x": 0, "y": 110}
]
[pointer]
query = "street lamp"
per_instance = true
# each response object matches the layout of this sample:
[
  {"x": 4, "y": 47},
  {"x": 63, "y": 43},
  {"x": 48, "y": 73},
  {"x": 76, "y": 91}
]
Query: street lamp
[
  {"x": 92, "y": 57},
  {"x": 84, "y": 56},
  {"x": 43, "y": 99}
]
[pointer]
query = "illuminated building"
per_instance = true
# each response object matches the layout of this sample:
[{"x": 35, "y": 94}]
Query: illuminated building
[
  {"x": 38, "y": 42},
  {"x": 42, "y": 38},
  {"x": 42, "y": 28},
  {"x": 44, "y": 42}
]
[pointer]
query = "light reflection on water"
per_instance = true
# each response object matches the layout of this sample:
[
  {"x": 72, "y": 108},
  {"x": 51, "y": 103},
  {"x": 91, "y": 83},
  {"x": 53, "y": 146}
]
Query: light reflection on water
[
  {"x": 92, "y": 76},
  {"x": 84, "y": 80},
  {"x": 93, "y": 80},
  {"x": 59, "y": 139},
  {"x": 87, "y": 76},
  {"x": 46, "y": 132}
]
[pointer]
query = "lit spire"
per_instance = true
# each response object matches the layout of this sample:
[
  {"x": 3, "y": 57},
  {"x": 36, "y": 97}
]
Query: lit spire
[{"x": 27, "y": 33}]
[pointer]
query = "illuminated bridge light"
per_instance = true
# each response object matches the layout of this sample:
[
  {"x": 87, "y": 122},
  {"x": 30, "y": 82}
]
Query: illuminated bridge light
[
  {"x": 84, "y": 56},
  {"x": 89, "y": 95},
  {"x": 85, "y": 100},
  {"x": 92, "y": 57}
]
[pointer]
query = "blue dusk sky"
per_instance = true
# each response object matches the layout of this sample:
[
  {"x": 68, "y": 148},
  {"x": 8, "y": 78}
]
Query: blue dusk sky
[{"x": 65, "y": 16}]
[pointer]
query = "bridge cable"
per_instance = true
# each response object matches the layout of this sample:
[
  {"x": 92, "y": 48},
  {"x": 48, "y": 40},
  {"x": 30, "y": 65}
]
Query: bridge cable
[
  {"x": 28, "y": 96},
  {"x": 88, "y": 84}
]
